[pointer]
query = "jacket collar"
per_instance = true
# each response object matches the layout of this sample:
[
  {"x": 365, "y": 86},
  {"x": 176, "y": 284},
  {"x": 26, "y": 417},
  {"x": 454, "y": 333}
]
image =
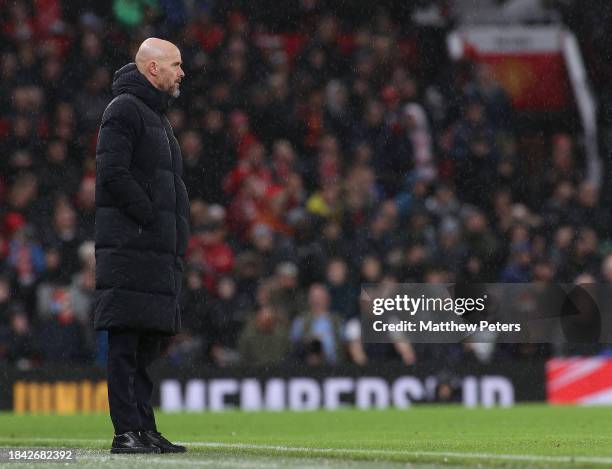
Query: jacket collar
[{"x": 129, "y": 80}]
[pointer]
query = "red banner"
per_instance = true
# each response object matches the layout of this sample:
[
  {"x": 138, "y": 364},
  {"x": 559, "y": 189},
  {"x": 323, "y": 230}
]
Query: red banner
[
  {"x": 533, "y": 81},
  {"x": 527, "y": 62},
  {"x": 579, "y": 380}
]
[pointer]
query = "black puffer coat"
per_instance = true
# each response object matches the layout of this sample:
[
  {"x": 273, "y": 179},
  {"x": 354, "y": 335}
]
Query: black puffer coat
[{"x": 142, "y": 211}]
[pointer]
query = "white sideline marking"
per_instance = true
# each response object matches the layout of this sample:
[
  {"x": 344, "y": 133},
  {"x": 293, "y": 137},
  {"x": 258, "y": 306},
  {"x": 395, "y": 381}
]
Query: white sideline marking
[
  {"x": 444, "y": 454},
  {"x": 182, "y": 462},
  {"x": 323, "y": 451}
]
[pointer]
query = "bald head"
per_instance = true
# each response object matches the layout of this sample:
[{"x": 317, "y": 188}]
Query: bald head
[
  {"x": 153, "y": 49},
  {"x": 160, "y": 62}
]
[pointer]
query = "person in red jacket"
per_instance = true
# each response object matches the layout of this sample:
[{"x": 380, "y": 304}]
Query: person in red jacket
[{"x": 208, "y": 250}]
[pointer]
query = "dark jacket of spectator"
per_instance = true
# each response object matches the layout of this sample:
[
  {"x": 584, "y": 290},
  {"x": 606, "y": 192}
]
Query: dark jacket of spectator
[{"x": 142, "y": 210}]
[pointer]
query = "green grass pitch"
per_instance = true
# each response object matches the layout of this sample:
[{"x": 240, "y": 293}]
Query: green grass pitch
[{"x": 423, "y": 436}]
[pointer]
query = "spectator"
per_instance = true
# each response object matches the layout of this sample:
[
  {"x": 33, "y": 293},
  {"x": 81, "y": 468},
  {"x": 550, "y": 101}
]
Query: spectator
[
  {"x": 58, "y": 173},
  {"x": 63, "y": 237},
  {"x": 343, "y": 294},
  {"x": 496, "y": 100},
  {"x": 317, "y": 333},
  {"x": 218, "y": 157},
  {"x": 5, "y": 302},
  {"x": 207, "y": 248},
  {"x": 25, "y": 257},
  {"x": 92, "y": 100},
  {"x": 419, "y": 134},
  {"x": 85, "y": 206},
  {"x": 194, "y": 166},
  {"x": 264, "y": 341},
  {"x": 473, "y": 151},
  {"x": 286, "y": 297},
  {"x": 62, "y": 338},
  {"x": 19, "y": 343},
  {"x": 586, "y": 211},
  {"x": 224, "y": 317},
  {"x": 399, "y": 349},
  {"x": 518, "y": 269},
  {"x": 82, "y": 285}
]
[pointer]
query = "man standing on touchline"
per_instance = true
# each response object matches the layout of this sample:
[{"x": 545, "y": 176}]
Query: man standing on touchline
[{"x": 142, "y": 229}]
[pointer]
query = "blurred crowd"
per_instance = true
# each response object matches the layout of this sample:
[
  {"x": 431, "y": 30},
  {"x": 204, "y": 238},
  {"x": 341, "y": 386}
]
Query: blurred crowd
[{"x": 319, "y": 154}]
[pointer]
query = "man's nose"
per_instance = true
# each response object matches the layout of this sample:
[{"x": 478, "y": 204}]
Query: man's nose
[{"x": 181, "y": 72}]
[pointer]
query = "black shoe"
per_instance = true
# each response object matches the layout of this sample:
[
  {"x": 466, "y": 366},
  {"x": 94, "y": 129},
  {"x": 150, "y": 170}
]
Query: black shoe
[
  {"x": 164, "y": 445},
  {"x": 132, "y": 443}
]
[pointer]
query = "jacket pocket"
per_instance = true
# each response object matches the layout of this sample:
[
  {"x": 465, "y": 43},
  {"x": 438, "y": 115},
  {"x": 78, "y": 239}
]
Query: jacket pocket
[{"x": 132, "y": 230}]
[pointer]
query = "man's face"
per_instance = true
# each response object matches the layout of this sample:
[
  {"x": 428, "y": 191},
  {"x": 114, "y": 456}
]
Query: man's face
[{"x": 170, "y": 73}]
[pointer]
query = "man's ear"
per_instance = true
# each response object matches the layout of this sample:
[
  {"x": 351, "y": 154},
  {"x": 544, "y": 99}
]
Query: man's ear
[{"x": 153, "y": 69}]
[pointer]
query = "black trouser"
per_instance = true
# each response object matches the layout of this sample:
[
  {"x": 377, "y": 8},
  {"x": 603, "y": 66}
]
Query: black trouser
[{"x": 129, "y": 385}]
